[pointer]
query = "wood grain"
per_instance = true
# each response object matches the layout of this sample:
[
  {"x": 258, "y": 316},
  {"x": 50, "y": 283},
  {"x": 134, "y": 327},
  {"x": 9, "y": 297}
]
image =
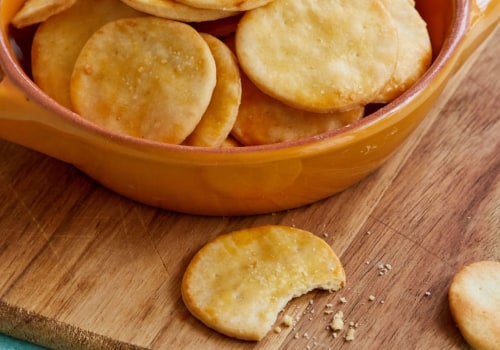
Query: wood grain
[{"x": 82, "y": 267}]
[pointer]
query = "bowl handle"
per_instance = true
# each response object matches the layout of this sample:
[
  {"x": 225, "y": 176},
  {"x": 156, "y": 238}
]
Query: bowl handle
[
  {"x": 30, "y": 123},
  {"x": 16, "y": 108}
]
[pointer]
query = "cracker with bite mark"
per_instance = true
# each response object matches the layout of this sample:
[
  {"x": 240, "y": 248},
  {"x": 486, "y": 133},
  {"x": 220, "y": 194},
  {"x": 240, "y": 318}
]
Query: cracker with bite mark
[{"x": 239, "y": 282}]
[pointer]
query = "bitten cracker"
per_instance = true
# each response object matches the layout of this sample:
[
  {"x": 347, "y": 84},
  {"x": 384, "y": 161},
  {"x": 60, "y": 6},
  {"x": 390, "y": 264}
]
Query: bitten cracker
[
  {"x": 238, "y": 283},
  {"x": 474, "y": 298},
  {"x": 318, "y": 55},
  {"x": 145, "y": 77}
]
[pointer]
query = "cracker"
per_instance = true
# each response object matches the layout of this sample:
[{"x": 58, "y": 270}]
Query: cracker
[
  {"x": 231, "y": 142},
  {"x": 238, "y": 283},
  {"x": 415, "y": 51},
  {"x": 226, "y": 5},
  {"x": 145, "y": 77},
  {"x": 219, "y": 118},
  {"x": 474, "y": 298},
  {"x": 62, "y": 36},
  {"x": 178, "y": 11},
  {"x": 36, "y": 11},
  {"x": 318, "y": 55},
  {"x": 265, "y": 120}
]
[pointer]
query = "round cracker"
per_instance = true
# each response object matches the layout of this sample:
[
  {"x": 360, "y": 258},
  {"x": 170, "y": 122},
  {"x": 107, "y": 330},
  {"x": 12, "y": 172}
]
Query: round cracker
[
  {"x": 415, "y": 51},
  {"x": 231, "y": 142},
  {"x": 226, "y": 5},
  {"x": 178, "y": 11},
  {"x": 36, "y": 11},
  {"x": 239, "y": 282},
  {"x": 63, "y": 36},
  {"x": 265, "y": 120},
  {"x": 318, "y": 55},
  {"x": 474, "y": 298},
  {"x": 219, "y": 118},
  {"x": 146, "y": 77}
]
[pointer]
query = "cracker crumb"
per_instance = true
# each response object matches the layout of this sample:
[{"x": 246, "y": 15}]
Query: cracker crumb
[
  {"x": 296, "y": 336},
  {"x": 383, "y": 268},
  {"x": 427, "y": 294},
  {"x": 329, "y": 305},
  {"x": 277, "y": 329},
  {"x": 338, "y": 321},
  {"x": 350, "y": 334},
  {"x": 287, "y": 321},
  {"x": 343, "y": 300},
  {"x": 328, "y": 312},
  {"x": 371, "y": 297}
]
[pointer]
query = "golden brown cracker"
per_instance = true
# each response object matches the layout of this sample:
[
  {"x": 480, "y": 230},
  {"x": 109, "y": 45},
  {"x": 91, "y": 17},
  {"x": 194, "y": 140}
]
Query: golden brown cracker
[
  {"x": 318, "y": 55},
  {"x": 36, "y": 11},
  {"x": 219, "y": 118},
  {"x": 145, "y": 77},
  {"x": 474, "y": 298},
  {"x": 58, "y": 41},
  {"x": 226, "y": 5},
  {"x": 178, "y": 11},
  {"x": 239, "y": 282},
  {"x": 415, "y": 51},
  {"x": 265, "y": 120}
]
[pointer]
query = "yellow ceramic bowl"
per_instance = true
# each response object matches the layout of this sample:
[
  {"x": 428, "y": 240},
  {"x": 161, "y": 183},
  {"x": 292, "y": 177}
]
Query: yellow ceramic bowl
[{"x": 246, "y": 180}]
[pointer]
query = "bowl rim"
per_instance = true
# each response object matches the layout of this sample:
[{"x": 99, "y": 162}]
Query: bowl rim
[{"x": 458, "y": 28}]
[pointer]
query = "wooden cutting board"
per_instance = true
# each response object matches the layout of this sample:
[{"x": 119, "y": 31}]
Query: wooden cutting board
[{"x": 82, "y": 267}]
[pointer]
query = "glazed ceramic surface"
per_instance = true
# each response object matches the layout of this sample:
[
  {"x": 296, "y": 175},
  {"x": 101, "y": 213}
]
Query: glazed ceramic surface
[{"x": 245, "y": 180}]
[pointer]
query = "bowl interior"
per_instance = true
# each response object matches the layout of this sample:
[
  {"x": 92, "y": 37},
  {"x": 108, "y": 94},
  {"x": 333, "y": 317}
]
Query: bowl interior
[{"x": 440, "y": 16}]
